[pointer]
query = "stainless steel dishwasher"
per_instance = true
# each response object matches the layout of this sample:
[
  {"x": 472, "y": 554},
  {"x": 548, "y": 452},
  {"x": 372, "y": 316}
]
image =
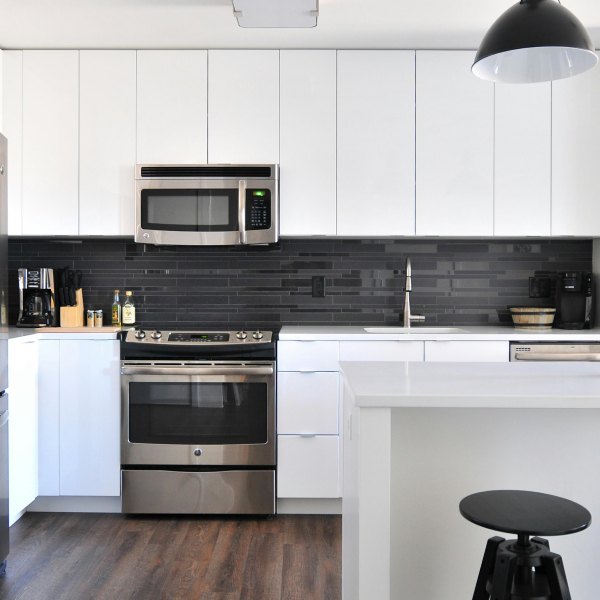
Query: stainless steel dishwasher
[{"x": 557, "y": 352}]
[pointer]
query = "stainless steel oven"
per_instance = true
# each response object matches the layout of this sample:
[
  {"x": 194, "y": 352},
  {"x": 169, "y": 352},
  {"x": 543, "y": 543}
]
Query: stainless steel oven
[
  {"x": 207, "y": 204},
  {"x": 198, "y": 423}
]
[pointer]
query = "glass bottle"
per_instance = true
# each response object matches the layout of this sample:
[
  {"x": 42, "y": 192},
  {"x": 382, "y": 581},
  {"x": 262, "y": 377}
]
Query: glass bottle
[
  {"x": 116, "y": 310},
  {"x": 128, "y": 309}
]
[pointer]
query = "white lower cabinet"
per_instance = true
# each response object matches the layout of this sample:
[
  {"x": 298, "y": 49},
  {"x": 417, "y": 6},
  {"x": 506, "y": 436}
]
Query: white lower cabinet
[
  {"x": 381, "y": 351},
  {"x": 79, "y": 418},
  {"x": 451, "y": 351},
  {"x": 308, "y": 466},
  {"x": 22, "y": 426},
  {"x": 308, "y": 403}
]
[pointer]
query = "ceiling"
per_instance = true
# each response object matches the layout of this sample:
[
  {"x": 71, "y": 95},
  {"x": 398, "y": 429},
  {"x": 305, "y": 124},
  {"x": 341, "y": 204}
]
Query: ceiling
[{"x": 442, "y": 24}]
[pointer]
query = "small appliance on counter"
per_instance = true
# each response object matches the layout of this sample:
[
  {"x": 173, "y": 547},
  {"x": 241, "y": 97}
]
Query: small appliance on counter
[
  {"x": 37, "y": 302},
  {"x": 575, "y": 300}
]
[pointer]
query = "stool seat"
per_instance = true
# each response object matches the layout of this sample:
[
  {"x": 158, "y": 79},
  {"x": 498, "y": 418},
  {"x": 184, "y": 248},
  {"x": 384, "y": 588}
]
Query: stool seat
[{"x": 525, "y": 513}]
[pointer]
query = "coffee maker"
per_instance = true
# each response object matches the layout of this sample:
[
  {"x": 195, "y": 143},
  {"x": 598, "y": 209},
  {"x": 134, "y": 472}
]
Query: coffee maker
[
  {"x": 575, "y": 300},
  {"x": 37, "y": 307}
]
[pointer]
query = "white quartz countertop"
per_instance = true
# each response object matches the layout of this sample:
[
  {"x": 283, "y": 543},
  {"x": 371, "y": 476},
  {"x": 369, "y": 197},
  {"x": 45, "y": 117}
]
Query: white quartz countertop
[
  {"x": 472, "y": 385},
  {"x": 333, "y": 333},
  {"x": 16, "y": 333}
]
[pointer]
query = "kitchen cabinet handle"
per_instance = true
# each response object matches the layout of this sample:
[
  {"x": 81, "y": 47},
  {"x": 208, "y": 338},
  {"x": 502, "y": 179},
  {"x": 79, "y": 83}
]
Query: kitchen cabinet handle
[
  {"x": 557, "y": 356},
  {"x": 3, "y": 418},
  {"x": 307, "y": 435}
]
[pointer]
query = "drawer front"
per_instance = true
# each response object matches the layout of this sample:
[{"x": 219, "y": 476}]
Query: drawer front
[
  {"x": 307, "y": 467},
  {"x": 384, "y": 351},
  {"x": 307, "y": 403},
  {"x": 466, "y": 351},
  {"x": 307, "y": 356}
]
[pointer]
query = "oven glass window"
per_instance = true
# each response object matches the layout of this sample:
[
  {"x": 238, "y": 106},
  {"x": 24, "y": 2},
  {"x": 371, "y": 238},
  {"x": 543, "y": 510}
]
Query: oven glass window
[
  {"x": 198, "y": 413},
  {"x": 190, "y": 210}
]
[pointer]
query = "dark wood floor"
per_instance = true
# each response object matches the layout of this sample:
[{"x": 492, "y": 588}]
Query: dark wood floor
[{"x": 58, "y": 556}]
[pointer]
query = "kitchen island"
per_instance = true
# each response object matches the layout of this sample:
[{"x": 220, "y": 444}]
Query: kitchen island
[{"x": 420, "y": 436}]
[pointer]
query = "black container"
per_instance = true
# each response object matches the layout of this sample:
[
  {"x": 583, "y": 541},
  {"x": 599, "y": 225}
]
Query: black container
[{"x": 575, "y": 300}]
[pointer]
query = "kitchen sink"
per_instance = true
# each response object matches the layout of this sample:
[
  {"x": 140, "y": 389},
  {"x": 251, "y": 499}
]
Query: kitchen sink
[{"x": 415, "y": 330}]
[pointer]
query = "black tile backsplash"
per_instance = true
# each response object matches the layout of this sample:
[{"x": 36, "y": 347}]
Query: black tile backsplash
[{"x": 454, "y": 282}]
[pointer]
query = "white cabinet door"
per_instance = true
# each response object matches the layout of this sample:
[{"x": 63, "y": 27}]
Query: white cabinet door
[
  {"x": 50, "y": 142},
  {"x": 523, "y": 159},
  {"x": 382, "y": 351},
  {"x": 107, "y": 142},
  {"x": 307, "y": 356},
  {"x": 576, "y": 155},
  {"x": 376, "y": 142},
  {"x": 307, "y": 466},
  {"x": 89, "y": 418},
  {"x": 49, "y": 418},
  {"x": 22, "y": 426},
  {"x": 308, "y": 142},
  {"x": 12, "y": 128},
  {"x": 307, "y": 403},
  {"x": 452, "y": 351},
  {"x": 455, "y": 146},
  {"x": 171, "y": 106},
  {"x": 243, "y": 106}
]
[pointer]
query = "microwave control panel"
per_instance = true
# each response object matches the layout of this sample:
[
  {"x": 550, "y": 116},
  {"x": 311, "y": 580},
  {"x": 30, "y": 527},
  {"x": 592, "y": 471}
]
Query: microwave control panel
[{"x": 258, "y": 209}]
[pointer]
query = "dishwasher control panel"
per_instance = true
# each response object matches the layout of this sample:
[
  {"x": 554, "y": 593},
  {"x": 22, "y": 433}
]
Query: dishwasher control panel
[{"x": 556, "y": 352}]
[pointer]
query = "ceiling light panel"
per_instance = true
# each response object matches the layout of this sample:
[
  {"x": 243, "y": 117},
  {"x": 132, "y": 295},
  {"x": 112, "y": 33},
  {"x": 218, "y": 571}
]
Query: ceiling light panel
[{"x": 276, "y": 13}]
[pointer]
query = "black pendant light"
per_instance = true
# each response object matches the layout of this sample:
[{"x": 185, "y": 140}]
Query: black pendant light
[{"x": 533, "y": 41}]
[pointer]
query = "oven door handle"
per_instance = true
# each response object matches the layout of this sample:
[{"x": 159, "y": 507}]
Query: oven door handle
[{"x": 208, "y": 370}]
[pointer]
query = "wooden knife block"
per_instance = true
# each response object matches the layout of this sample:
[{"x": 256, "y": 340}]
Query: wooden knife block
[{"x": 72, "y": 316}]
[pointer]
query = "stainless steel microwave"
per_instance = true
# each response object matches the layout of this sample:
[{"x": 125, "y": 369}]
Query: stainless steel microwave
[{"x": 212, "y": 205}]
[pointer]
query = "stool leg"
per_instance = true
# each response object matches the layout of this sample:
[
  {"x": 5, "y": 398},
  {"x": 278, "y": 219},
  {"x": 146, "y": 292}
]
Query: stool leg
[
  {"x": 541, "y": 542},
  {"x": 487, "y": 567},
  {"x": 504, "y": 573},
  {"x": 557, "y": 579}
]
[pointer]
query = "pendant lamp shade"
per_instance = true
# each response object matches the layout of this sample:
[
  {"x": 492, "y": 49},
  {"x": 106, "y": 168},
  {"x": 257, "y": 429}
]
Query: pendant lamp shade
[{"x": 534, "y": 41}]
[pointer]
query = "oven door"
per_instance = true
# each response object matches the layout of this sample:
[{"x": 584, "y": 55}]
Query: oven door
[
  {"x": 206, "y": 211},
  {"x": 198, "y": 414}
]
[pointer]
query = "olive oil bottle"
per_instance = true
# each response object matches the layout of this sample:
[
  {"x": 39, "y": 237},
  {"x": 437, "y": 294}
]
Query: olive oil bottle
[
  {"x": 128, "y": 309},
  {"x": 116, "y": 310}
]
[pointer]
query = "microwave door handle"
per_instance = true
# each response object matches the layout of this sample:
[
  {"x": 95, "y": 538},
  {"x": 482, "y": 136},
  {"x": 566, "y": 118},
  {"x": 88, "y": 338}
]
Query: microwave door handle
[{"x": 242, "y": 212}]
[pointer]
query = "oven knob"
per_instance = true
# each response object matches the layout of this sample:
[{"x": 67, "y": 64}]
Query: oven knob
[
  {"x": 140, "y": 335},
  {"x": 257, "y": 335},
  {"x": 198, "y": 452},
  {"x": 156, "y": 335},
  {"x": 241, "y": 335}
]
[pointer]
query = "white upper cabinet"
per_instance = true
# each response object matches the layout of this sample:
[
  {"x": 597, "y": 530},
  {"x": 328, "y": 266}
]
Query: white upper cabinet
[
  {"x": 12, "y": 128},
  {"x": 376, "y": 143},
  {"x": 243, "y": 106},
  {"x": 576, "y": 155},
  {"x": 50, "y": 142},
  {"x": 308, "y": 142},
  {"x": 171, "y": 106},
  {"x": 455, "y": 146},
  {"x": 107, "y": 142},
  {"x": 523, "y": 159}
]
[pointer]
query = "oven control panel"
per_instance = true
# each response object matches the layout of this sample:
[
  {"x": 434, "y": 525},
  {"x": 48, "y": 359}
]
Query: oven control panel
[
  {"x": 155, "y": 336},
  {"x": 198, "y": 338}
]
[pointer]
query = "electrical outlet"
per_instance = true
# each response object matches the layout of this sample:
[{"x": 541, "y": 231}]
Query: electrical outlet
[{"x": 318, "y": 287}]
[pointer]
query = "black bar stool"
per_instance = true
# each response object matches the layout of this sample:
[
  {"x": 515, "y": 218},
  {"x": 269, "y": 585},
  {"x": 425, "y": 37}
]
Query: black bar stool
[{"x": 523, "y": 569}]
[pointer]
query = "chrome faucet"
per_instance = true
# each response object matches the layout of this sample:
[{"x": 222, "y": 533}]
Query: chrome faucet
[{"x": 408, "y": 289}]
